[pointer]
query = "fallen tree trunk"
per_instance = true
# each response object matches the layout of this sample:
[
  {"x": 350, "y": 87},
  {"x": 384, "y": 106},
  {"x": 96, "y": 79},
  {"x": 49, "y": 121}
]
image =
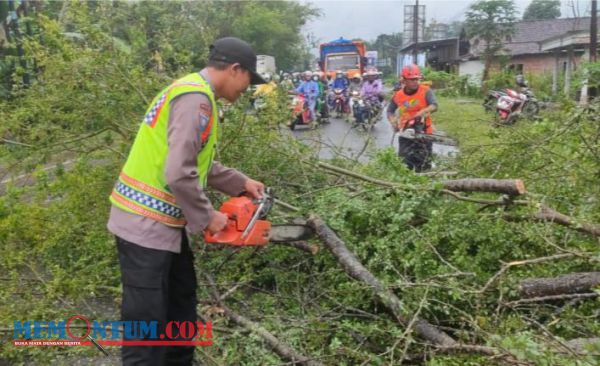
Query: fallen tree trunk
[
  {"x": 513, "y": 187},
  {"x": 549, "y": 215},
  {"x": 587, "y": 295},
  {"x": 570, "y": 284},
  {"x": 281, "y": 348},
  {"x": 354, "y": 268}
]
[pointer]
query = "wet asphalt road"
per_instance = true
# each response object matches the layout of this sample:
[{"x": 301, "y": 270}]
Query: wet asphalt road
[{"x": 339, "y": 137}]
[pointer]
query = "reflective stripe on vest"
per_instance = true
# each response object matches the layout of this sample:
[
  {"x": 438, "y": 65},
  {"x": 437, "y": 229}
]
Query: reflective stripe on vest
[
  {"x": 409, "y": 105},
  {"x": 141, "y": 188}
]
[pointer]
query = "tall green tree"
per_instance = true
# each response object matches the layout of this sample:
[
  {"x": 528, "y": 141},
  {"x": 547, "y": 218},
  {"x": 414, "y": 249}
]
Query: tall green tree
[
  {"x": 489, "y": 23},
  {"x": 172, "y": 36},
  {"x": 387, "y": 46},
  {"x": 542, "y": 9}
]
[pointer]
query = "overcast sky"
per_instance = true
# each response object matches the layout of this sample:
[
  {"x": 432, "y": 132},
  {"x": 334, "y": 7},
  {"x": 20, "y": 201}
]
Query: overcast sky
[{"x": 367, "y": 19}]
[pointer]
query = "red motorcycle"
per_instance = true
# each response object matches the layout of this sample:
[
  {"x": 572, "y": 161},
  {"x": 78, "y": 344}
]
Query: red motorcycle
[
  {"x": 340, "y": 105},
  {"x": 300, "y": 110},
  {"x": 510, "y": 106}
]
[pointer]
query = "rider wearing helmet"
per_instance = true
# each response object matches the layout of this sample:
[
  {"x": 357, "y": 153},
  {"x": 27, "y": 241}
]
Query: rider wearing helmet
[
  {"x": 296, "y": 79},
  {"x": 340, "y": 82},
  {"x": 355, "y": 82},
  {"x": 321, "y": 108},
  {"x": 372, "y": 87},
  {"x": 310, "y": 89},
  {"x": 267, "y": 88},
  {"x": 413, "y": 102},
  {"x": 286, "y": 82}
]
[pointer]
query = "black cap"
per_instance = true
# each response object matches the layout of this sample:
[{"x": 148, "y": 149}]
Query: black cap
[{"x": 233, "y": 50}]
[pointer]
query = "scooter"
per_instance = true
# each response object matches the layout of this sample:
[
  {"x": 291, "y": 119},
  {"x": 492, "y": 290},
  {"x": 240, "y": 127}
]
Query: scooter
[
  {"x": 514, "y": 104},
  {"x": 366, "y": 111},
  {"x": 300, "y": 111},
  {"x": 339, "y": 103},
  {"x": 491, "y": 99}
]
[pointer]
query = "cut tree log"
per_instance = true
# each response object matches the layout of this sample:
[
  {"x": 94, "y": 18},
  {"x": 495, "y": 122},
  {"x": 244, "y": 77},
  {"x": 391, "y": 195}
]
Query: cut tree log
[
  {"x": 281, "y": 348},
  {"x": 569, "y": 284},
  {"x": 351, "y": 265},
  {"x": 512, "y": 187},
  {"x": 549, "y": 215}
]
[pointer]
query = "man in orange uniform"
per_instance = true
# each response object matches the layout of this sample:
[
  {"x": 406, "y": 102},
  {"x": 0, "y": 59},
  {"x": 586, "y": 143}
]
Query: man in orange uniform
[{"x": 415, "y": 103}]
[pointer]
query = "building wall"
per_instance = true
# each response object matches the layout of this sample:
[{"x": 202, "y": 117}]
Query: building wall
[
  {"x": 543, "y": 63},
  {"x": 473, "y": 68},
  {"x": 526, "y": 64}
]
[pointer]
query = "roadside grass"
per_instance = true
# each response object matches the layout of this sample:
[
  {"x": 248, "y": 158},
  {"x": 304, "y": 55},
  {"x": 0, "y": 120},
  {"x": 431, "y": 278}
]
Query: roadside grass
[{"x": 464, "y": 120}]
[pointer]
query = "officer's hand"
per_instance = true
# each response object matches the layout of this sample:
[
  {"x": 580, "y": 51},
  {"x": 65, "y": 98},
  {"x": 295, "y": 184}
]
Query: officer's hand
[
  {"x": 254, "y": 188},
  {"x": 217, "y": 222}
]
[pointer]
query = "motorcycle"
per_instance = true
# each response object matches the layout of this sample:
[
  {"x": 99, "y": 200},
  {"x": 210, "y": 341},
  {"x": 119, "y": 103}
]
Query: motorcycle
[
  {"x": 511, "y": 106},
  {"x": 491, "y": 99},
  {"x": 366, "y": 111},
  {"x": 339, "y": 103},
  {"x": 300, "y": 111},
  {"x": 322, "y": 109}
]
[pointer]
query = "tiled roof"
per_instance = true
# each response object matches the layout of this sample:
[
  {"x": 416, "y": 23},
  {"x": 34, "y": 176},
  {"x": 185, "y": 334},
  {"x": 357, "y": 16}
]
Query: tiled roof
[{"x": 528, "y": 34}]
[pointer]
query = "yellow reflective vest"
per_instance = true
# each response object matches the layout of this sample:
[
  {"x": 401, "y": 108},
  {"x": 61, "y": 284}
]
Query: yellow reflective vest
[{"x": 142, "y": 188}]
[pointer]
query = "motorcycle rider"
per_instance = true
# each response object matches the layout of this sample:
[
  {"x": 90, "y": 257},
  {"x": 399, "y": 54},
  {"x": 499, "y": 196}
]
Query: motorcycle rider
[
  {"x": 310, "y": 89},
  {"x": 355, "y": 86},
  {"x": 413, "y": 101},
  {"x": 340, "y": 82},
  {"x": 286, "y": 82},
  {"x": 355, "y": 83},
  {"x": 322, "y": 109},
  {"x": 372, "y": 88},
  {"x": 266, "y": 88},
  {"x": 264, "y": 92},
  {"x": 296, "y": 80}
]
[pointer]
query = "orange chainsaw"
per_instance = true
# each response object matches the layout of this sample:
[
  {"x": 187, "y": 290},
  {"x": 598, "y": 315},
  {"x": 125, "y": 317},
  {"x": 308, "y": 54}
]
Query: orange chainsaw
[{"x": 247, "y": 224}]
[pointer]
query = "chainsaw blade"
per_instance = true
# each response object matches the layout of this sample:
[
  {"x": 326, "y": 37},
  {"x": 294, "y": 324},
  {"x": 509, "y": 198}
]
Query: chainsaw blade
[
  {"x": 439, "y": 139},
  {"x": 290, "y": 232}
]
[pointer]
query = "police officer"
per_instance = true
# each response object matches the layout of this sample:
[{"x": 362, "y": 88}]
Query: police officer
[{"x": 160, "y": 195}]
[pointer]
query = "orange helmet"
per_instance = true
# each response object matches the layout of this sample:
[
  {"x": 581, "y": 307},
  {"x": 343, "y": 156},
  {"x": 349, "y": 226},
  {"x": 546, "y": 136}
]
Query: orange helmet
[{"x": 411, "y": 72}]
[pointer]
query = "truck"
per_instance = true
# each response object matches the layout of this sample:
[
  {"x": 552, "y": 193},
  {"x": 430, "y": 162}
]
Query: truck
[
  {"x": 265, "y": 64},
  {"x": 342, "y": 54}
]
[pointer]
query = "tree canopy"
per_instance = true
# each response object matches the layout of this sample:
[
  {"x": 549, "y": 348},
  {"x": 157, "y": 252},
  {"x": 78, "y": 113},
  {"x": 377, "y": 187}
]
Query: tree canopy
[
  {"x": 542, "y": 9},
  {"x": 491, "y": 22}
]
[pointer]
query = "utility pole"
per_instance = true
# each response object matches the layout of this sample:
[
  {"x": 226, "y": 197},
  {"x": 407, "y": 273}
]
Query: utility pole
[
  {"x": 594, "y": 32},
  {"x": 416, "y": 32}
]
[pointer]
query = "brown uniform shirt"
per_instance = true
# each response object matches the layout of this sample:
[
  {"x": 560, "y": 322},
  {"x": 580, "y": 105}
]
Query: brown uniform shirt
[{"x": 188, "y": 119}]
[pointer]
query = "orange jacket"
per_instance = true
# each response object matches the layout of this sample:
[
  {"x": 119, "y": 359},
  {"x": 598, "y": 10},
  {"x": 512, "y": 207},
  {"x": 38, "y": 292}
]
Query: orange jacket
[{"x": 409, "y": 105}]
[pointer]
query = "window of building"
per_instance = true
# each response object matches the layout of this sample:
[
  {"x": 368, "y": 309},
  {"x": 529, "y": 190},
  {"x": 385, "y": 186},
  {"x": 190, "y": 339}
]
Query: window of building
[{"x": 516, "y": 68}]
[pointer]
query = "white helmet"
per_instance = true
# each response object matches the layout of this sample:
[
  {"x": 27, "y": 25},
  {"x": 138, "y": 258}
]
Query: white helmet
[
  {"x": 267, "y": 77},
  {"x": 307, "y": 73}
]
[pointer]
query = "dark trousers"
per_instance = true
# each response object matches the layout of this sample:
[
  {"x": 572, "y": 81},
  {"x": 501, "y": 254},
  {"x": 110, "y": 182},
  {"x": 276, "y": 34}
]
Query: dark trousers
[
  {"x": 416, "y": 153},
  {"x": 157, "y": 286}
]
